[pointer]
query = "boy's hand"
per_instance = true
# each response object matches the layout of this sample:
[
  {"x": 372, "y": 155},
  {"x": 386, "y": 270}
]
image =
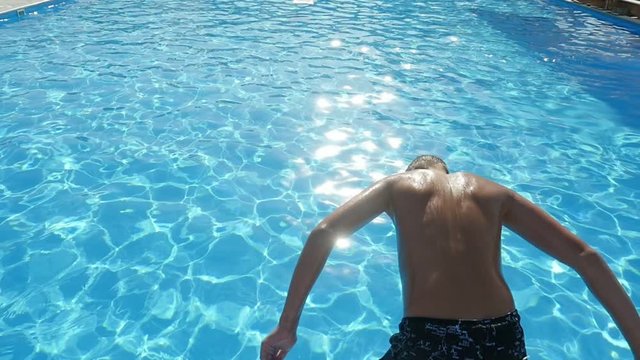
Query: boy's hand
[{"x": 277, "y": 344}]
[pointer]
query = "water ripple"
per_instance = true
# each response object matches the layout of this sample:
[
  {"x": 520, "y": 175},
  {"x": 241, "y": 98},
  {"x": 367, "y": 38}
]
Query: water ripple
[{"x": 162, "y": 163}]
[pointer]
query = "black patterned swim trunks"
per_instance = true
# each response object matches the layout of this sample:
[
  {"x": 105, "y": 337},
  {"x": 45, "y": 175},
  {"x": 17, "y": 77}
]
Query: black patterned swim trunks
[{"x": 500, "y": 338}]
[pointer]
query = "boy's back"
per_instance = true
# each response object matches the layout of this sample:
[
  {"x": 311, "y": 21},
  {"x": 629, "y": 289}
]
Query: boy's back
[
  {"x": 456, "y": 302},
  {"x": 448, "y": 228}
]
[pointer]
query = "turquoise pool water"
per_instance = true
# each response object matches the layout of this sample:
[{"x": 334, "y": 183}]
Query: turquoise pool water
[{"x": 162, "y": 162}]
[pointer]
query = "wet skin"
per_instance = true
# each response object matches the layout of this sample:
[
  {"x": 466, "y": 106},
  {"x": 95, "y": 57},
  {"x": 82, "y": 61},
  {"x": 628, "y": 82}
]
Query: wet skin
[
  {"x": 448, "y": 229},
  {"x": 449, "y": 238}
]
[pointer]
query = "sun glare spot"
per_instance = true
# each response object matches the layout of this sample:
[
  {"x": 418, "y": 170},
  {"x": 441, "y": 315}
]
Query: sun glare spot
[
  {"x": 359, "y": 162},
  {"x": 556, "y": 268},
  {"x": 327, "y": 151},
  {"x": 343, "y": 243},
  {"x": 394, "y": 142},
  {"x": 323, "y": 104},
  {"x": 358, "y": 99},
  {"x": 336, "y": 135},
  {"x": 327, "y": 188},
  {"x": 376, "y": 175},
  {"x": 369, "y": 146},
  {"x": 384, "y": 97},
  {"x": 379, "y": 220}
]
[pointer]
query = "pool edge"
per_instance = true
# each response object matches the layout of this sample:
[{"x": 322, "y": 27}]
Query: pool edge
[
  {"x": 18, "y": 12},
  {"x": 630, "y": 23}
]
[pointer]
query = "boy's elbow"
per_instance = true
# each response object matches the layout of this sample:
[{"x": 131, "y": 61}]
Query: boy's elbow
[
  {"x": 588, "y": 259},
  {"x": 322, "y": 231}
]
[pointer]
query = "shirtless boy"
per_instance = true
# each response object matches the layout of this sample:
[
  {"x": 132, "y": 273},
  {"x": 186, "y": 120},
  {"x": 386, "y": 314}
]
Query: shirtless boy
[{"x": 457, "y": 305}]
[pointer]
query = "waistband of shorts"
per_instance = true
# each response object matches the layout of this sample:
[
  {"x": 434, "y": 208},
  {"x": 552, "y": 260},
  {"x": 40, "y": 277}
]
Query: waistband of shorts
[{"x": 417, "y": 321}]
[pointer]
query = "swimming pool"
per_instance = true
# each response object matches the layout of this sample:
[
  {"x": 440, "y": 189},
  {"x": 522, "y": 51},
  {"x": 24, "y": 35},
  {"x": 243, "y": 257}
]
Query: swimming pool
[{"x": 161, "y": 164}]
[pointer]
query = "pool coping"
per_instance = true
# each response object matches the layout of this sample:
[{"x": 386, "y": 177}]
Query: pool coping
[
  {"x": 18, "y": 11},
  {"x": 628, "y": 23},
  {"x": 24, "y": 6},
  {"x": 29, "y": 7},
  {"x": 609, "y": 11}
]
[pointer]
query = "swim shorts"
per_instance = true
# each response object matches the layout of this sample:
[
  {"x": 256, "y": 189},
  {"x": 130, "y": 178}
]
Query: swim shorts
[{"x": 421, "y": 338}]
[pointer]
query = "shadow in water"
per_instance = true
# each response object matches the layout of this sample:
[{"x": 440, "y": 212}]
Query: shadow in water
[{"x": 603, "y": 59}]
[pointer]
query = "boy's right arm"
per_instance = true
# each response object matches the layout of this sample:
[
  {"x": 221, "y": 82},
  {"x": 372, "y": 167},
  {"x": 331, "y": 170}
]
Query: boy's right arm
[{"x": 547, "y": 234}]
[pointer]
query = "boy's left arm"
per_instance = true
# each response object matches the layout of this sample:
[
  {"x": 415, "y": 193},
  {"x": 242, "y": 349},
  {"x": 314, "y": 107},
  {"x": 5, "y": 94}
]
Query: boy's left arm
[{"x": 344, "y": 221}]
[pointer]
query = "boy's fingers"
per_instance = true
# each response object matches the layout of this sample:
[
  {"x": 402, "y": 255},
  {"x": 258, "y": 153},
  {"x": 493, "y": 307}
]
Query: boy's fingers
[
  {"x": 281, "y": 354},
  {"x": 266, "y": 352}
]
